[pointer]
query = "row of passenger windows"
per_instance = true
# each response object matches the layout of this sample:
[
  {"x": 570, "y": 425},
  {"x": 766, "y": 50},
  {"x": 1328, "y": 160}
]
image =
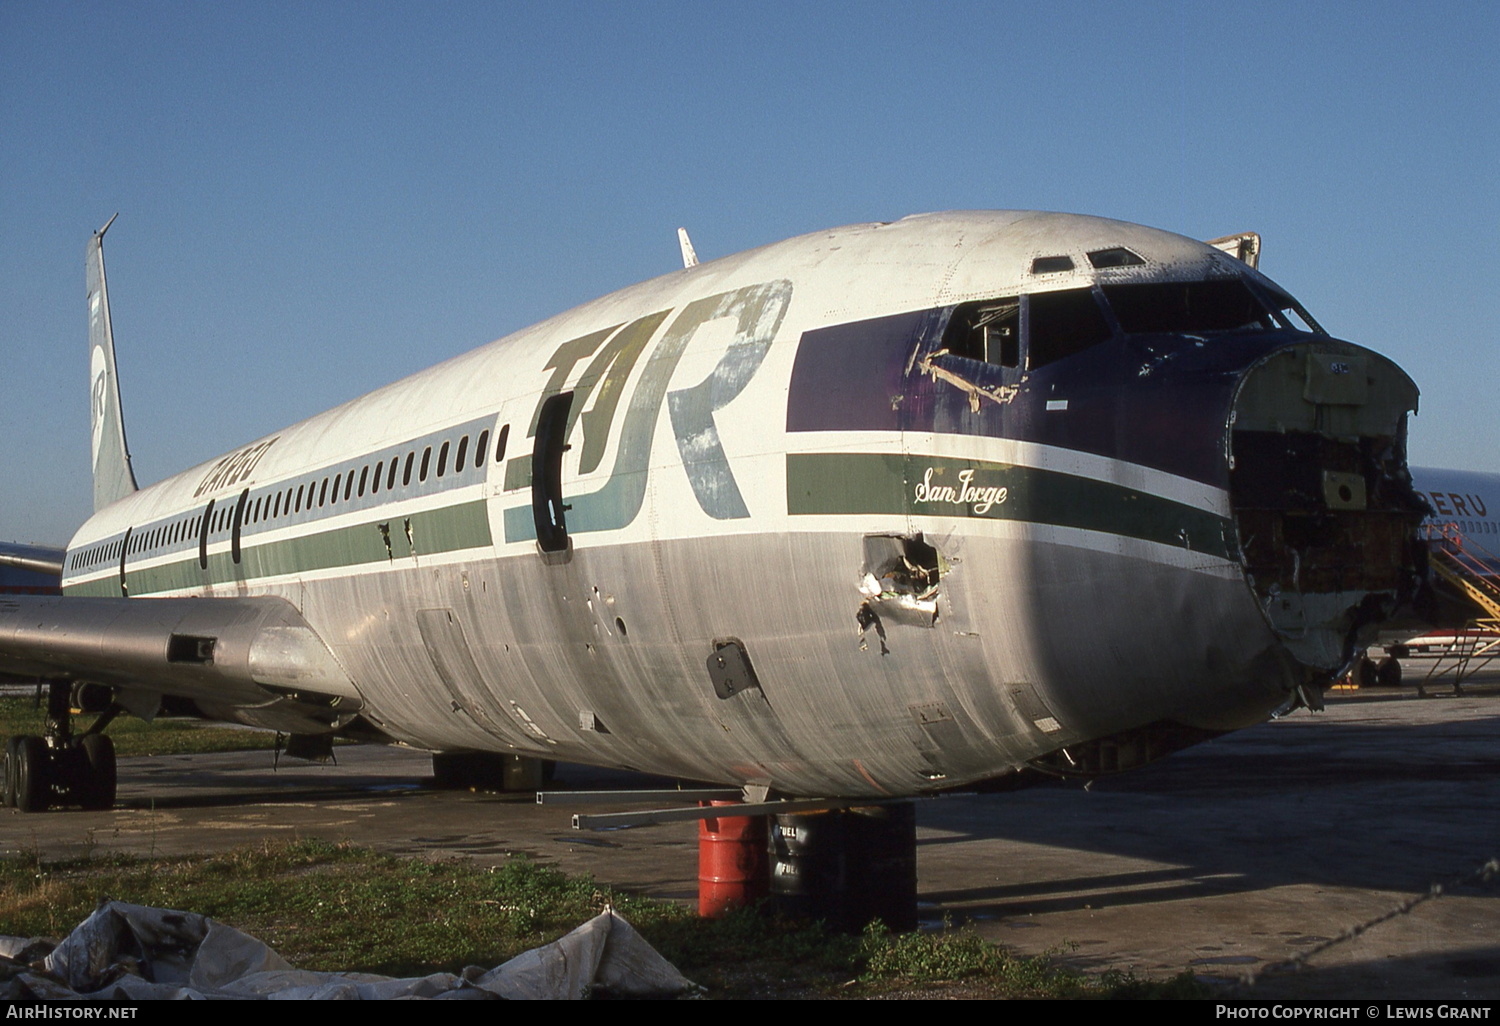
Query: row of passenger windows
[
  {"x": 343, "y": 487},
  {"x": 444, "y": 460}
]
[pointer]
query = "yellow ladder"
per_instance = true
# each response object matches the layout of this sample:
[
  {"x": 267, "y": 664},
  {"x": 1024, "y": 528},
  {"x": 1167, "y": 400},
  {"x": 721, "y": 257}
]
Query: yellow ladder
[{"x": 1466, "y": 566}]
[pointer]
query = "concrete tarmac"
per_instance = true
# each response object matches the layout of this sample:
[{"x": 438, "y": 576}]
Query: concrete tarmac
[{"x": 1337, "y": 854}]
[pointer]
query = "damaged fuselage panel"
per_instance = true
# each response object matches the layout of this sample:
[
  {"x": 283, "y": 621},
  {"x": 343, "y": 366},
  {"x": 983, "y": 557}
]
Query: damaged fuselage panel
[
  {"x": 1323, "y": 501},
  {"x": 1174, "y": 502}
]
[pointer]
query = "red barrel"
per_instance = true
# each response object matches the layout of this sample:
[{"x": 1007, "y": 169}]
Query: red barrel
[{"x": 731, "y": 862}]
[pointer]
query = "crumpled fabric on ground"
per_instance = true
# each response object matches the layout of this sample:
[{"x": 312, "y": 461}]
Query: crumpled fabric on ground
[{"x": 136, "y": 953}]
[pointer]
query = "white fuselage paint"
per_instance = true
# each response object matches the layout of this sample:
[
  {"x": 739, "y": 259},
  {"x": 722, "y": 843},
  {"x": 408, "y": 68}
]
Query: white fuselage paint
[
  {"x": 1467, "y": 500},
  {"x": 1047, "y": 635}
]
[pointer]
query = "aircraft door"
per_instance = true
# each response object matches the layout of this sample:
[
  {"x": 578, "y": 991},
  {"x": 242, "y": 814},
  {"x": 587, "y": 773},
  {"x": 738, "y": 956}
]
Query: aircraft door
[
  {"x": 208, "y": 516},
  {"x": 547, "y": 506},
  {"x": 125, "y": 554},
  {"x": 239, "y": 521}
]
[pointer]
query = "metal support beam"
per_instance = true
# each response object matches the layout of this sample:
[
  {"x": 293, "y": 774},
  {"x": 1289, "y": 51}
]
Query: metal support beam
[
  {"x": 701, "y": 794},
  {"x": 624, "y": 820}
]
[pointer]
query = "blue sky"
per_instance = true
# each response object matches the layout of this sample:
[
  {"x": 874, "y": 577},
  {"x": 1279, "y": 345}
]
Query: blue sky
[{"x": 319, "y": 198}]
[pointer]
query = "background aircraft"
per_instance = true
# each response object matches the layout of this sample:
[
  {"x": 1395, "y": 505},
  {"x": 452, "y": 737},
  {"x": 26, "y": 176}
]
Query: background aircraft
[
  {"x": 30, "y": 569},
  {"x": 1467, "y": 500},
  {"x": 1461, "y": 617}
]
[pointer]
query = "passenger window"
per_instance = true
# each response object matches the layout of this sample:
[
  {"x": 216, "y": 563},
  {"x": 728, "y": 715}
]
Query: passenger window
[
  {"x": 426, "y": 461},
  {"x": 458, "y": 457},
  {"x": 442, "y": 466},
  {"x": 390, "y": 482},
  {"x": 406, "y": 474},
  {"x": 364, "y": 474},
  {"x": 375, "y": 481},
  {"x": 500, "y": 443},
  {"x": 480, "y": 447},
  {"x": 348, "y": 485},
  {"x": 323, "y": 492}
]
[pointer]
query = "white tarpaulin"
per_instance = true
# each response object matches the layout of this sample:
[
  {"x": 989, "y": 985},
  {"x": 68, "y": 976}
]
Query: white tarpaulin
[{"x": 132, "y": 952}]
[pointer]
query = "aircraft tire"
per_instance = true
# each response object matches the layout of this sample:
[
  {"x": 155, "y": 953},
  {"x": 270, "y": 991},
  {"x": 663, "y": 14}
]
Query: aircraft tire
[
  {"x": 1389, "y": 672},
  {"x": 33, "y": 774},
  {"x": 8, "y": 774},
  {"x": 1367, "y": 673},
  {"x": 98, "y": 778}
]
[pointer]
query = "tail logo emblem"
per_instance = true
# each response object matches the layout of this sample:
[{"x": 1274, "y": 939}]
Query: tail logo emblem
[{"x": 97, "y": 392}]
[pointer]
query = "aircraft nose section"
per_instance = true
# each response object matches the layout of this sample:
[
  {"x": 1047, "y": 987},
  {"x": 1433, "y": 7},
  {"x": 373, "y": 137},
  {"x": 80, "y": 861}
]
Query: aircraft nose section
[{"x": 1323, "y": 503}]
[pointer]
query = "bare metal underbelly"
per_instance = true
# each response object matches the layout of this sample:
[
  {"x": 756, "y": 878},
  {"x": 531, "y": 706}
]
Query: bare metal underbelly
[{"x": 1042, "y": 638}]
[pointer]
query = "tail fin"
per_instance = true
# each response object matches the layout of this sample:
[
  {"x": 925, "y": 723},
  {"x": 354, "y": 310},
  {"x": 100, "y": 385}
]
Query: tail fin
[{"x": 113, "y": 478}]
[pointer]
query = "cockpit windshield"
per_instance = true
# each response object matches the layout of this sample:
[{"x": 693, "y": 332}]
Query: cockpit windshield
[
  {"x": 1187, "y": 307},
  {"x": 1033, "y": 330},
  {"x": 1290, "y": 314},
  {"x": 1203, "y": 307}
]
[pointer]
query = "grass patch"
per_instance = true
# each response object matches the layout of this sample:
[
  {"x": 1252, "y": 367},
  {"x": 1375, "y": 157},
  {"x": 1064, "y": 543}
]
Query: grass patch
[
  {"x": 132, "y": 736},
  {"x": 960, "y": 954},
  {"x": 327, "y": 906}
]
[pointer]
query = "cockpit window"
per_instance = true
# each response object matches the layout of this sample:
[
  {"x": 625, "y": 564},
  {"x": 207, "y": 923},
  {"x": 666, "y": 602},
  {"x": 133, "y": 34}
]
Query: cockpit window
[
  {"x": 1119, "y": 256},
  {"x": 1291, "y": 314},
  {"x": 1051, "y": 264},
  {"x": 988, "y": 331},
  {"x": 1187, "y": 307},
  {"x": 1059, "y": 324}
]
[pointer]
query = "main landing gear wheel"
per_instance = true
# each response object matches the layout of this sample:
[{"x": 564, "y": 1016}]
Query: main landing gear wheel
[
  {"x": 1389, "y": 672},
  {"x": 8, "y": 769},
  {"x": 95, "y": 786},
  {"x": 33, "y": 774},
  {"x": 62, "y": 767}
]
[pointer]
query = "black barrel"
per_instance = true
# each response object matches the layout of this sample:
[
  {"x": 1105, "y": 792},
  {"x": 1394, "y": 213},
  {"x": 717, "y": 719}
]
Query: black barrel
[{"x": 847, "y": 866}]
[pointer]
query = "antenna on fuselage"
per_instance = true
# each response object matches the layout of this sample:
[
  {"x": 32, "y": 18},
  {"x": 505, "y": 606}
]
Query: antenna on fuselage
[{"x": 689, "y": 255}]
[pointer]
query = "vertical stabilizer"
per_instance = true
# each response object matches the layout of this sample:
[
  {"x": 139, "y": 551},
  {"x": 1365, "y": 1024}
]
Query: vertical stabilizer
[{"x": 113, "y": 478}]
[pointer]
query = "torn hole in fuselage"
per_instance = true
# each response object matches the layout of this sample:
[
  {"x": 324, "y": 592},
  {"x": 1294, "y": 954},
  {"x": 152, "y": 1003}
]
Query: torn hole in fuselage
[{"x": 900, "y": 582}]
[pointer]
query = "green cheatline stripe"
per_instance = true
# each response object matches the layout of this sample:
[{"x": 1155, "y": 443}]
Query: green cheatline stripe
[
  {"x": 839, "y": 483},
  {"x": 465, "y": 526}
]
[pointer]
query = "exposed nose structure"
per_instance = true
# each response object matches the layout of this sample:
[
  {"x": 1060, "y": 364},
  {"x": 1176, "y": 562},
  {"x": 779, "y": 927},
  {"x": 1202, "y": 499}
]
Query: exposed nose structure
[{"x": 1323, "y": 503}]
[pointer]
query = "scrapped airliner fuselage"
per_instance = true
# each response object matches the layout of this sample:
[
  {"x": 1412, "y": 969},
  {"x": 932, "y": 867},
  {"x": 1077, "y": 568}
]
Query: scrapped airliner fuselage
[{"x": 880, "y": 510}]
